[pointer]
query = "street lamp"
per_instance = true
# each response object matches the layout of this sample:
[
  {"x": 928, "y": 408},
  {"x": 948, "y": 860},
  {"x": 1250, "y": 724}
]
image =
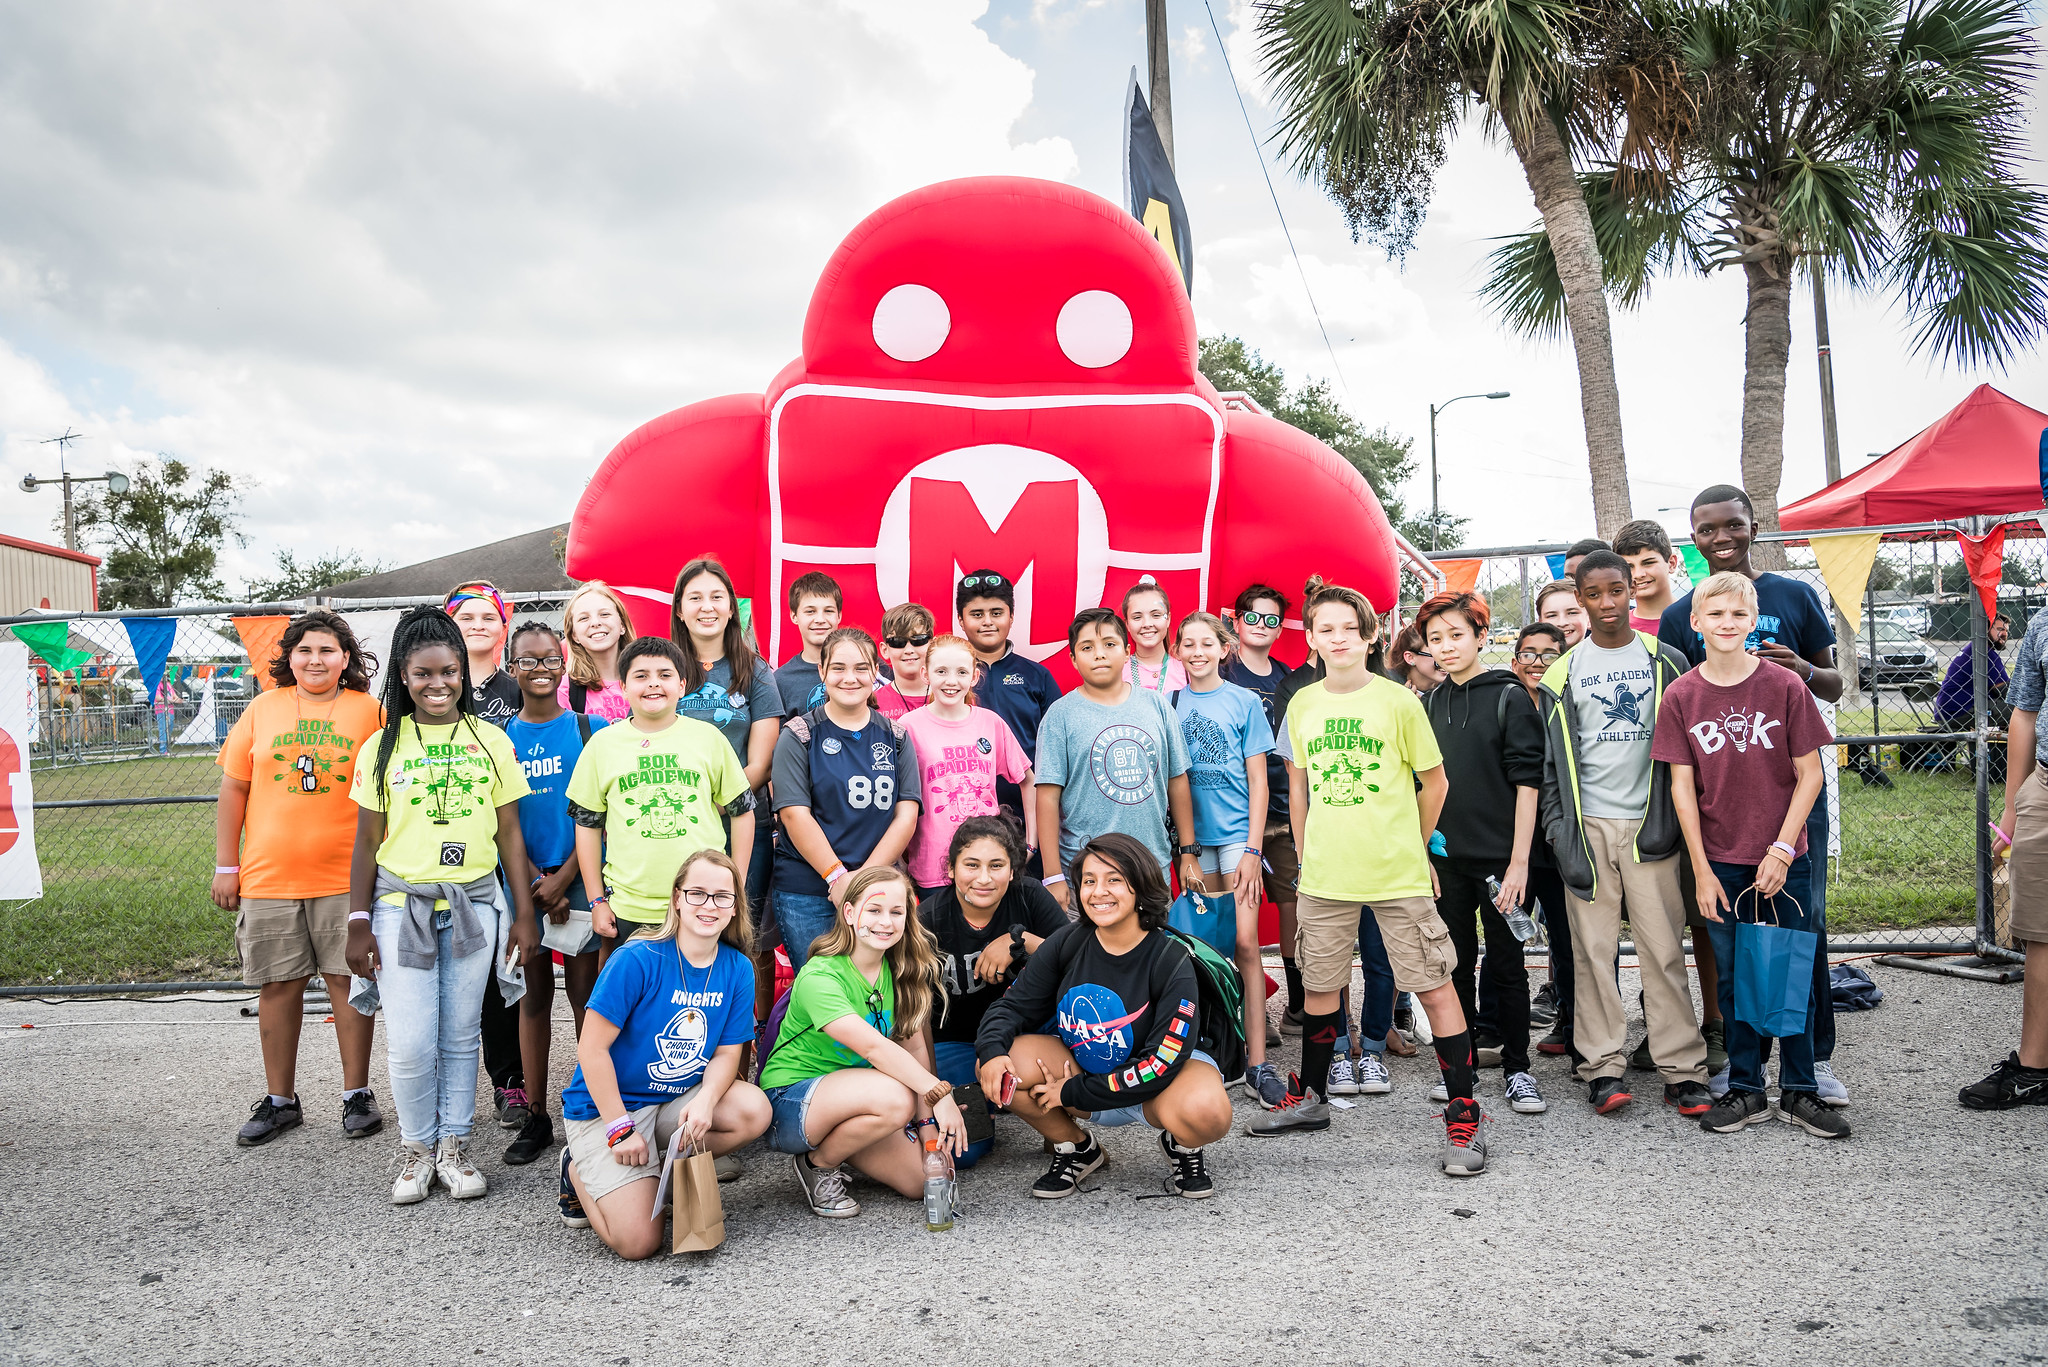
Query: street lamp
[
  {"x": 1435, "y": 511},
  {"x": 115, "y": 481}
]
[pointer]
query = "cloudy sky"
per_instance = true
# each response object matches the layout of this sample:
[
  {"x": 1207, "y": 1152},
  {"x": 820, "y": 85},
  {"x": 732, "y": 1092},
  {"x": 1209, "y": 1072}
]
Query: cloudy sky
[{"x": 413, "y": 269}]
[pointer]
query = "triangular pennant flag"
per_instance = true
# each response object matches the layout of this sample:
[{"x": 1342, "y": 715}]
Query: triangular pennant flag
[
  {"x": 1845, "y": 563},
  {"x": 1460, "y": 576},
  {"x": 1695, "y": 563},
  {"x": 1986, "y": 558},
  {"x": 52, "y": 641},
  {"x": 261, "y": 637},
  {"x": 1556, "y": 563},
  {"x": 152, "y": 637}
]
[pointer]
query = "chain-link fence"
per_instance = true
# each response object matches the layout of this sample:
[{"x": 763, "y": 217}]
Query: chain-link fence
[
  {"x": 1910, "y": 847},
  {"x": 126, "y": 785}
]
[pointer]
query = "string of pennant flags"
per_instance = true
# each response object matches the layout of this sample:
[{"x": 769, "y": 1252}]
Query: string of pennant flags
[{"x": 152, "y": 638}]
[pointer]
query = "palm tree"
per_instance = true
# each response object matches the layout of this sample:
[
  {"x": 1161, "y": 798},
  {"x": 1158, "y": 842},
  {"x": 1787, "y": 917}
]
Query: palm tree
[
  {"x": 1372, "y": 91},
  {"x": 1876, "y": 140}
]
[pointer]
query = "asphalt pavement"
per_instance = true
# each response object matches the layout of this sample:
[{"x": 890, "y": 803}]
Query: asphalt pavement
[{"x": 132, "y": 1230}]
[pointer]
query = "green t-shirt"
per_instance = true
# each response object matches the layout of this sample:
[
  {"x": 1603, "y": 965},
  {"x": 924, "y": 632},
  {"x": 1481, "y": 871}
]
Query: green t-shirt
[
  {"x": 445, "y": 785},
  {"x": 827, "y": 988},
  {"x": 1362, "y": 834},
  {"x": 660, "y": 794}
]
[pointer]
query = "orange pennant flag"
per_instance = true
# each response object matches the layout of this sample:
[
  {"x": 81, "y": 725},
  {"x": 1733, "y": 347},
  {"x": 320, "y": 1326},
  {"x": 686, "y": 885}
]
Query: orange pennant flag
[
  {"x": 1460, "y": 576},
  {"x": 262, "y": 637}
]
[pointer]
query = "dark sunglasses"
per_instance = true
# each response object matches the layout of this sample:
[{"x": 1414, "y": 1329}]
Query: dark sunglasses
[
  {"x": 898, "y": 642},
  {"x": 1537, "y": 657},
  {"x": 1259, "y": 619},
  {"x": 875, "y": 1011},
  {"x": 994, "y": 581},
  {"x": 545, "y": 662}
]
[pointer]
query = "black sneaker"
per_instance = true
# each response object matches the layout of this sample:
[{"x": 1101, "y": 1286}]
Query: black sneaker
[
  {"x": 514, "y": 1110},
  {"x": 536, "y": 1137},
  {"x": 1485, "y": 1049},
  {"x": 267, "y": 1121},
  {"x": 1543, "y": 1006},
  {"x": 1608, "y": 1094},
  {"x": 2009, "y": 1085},
  {"x": 568, "y": 1204},
  {"x": 1736, "y": 1112},
  {"x": 1689, "y": 1097},
  {"x": 1404, "y": 1016},
  {"x": 1188, "y": 1178},
  {"x": 1811, "y": 1114},
  {"x": 360, "y": 1117},
  {"x": 1072, "y": 1164}
]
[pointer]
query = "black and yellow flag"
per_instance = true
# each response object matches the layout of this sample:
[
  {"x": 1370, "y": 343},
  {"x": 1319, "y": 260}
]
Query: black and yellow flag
[{"x": 1150, "y": 191}]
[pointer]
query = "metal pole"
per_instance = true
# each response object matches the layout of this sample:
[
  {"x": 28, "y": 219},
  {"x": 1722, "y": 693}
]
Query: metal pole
[
  {"x": 1522, "y": 614},
  {"x": 1980, "y": 688},
  {"x": 1162, "y": 92},
  {"x": 1830, "y": 437},
  {"x": 70, "y": 525},
  {"x": 1434, "y": 512}
]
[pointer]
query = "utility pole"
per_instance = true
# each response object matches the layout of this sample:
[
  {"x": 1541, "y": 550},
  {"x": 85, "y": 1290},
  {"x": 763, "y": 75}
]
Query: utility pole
[
  {"x": 113, "y": 479},
  {"x": 1162, "y": 92}
]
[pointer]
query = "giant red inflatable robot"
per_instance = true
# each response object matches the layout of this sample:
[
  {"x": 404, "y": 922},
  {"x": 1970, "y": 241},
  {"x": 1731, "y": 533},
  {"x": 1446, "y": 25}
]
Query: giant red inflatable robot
[{"x": 996, "y": 372}]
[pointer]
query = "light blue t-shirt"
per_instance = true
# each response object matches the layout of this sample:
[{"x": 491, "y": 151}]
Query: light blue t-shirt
[
  {"x": 548, "y": 752},
  {"x": 672, "y": 1018},
  {"x": 1111, "y": 765},
  {"x": 1222, "y": 728}
]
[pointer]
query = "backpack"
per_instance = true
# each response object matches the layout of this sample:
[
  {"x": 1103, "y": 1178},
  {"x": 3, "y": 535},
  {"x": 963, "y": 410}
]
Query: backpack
[
  {"x": 805, "y": 729},
  {"x": 583, "y": 723}
]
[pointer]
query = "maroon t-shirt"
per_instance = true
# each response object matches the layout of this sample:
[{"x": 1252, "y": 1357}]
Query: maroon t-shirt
[{"x": 1740, "y": 742}]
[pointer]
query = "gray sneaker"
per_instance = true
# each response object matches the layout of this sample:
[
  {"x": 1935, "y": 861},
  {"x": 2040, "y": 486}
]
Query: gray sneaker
[
  {"x": 1464, "y": 1139},
  {"x": 825, "y": 1189},
  {"x": 1300, "y": 1109},
  {"x": 1828, "y": 1086},
  {"x": 267, "y": 1120},
  {"x": 360, "y": 1117}
]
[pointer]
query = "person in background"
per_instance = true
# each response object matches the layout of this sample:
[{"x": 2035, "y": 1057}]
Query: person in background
[
  {"x": 814, "y": 606},
  {"x": 965, "y": 751},
  {"x": 1646, "y": 547},
  {"x": 1014, "y": 687},
  {"x": 428, "y": 920},
  {"x": 1150, "y": 619},
  {"x": 987, "y": 920},
  {"x": 1579, "y": 551},
  {"x": 2021, "y": 1078},
  {"x": 1539, "y": 646},
  {"x": 596, "y": 626},
  {"x": 1955, "y": 706},
  {"x": 660, "y": 1053},
  {"x": 1557, "y": 605},
  {"x": 1260, "y": 614},
  {"x": 282, "y": 834},
  {"x": 549, "y": 741},
  {"x": 1415, "y": 666},
  {"x": 907, "y": 633},
  {"x": 165, "y": 707}
]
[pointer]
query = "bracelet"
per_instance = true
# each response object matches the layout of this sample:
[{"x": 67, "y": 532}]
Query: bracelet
[
  {"x": 1052, "y": 878},
  {"x": 1789, "y": 853},
  {"x": 359, "y": 916},
  {"x": 219, "y": 869},
  {"x": 618, "y": 1132},
  {"x": 831, "y": 875}
]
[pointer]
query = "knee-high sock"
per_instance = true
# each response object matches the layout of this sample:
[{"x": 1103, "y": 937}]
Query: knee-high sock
[
  {"x": 1318, "y": 1043},
  {"x": 1454, "y": 1056}
]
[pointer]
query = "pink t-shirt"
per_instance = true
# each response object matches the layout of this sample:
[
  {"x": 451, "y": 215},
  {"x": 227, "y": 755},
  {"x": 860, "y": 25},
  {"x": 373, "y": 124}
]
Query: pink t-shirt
[
  {"x": 961, "y": 761},
  {"x": 1169, "y": 676},
  {"x": 1741, "y": 742},
  {"x": 608, "y": 702},
  {"x": 893, "y": 704}
]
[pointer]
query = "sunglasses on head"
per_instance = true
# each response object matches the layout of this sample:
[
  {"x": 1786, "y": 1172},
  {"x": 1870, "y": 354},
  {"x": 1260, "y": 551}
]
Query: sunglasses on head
[
  {"x": 898, "y": 642},
  {"x": 1259, "y": 619},
  {"x": 994, "y": 581},
  {"x": 1537, "y": 657},
  {"x": 530, "y": 662}
]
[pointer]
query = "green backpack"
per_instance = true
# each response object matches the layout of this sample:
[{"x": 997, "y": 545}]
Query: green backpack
[{"x": 1221, "y": 1022}]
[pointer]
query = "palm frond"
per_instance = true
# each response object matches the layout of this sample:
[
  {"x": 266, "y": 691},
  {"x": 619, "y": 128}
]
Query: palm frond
[{"x": 1976, "y": 278}]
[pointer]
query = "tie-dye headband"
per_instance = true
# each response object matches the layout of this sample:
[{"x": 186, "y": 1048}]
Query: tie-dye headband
[{"x": 487, "y": 592}]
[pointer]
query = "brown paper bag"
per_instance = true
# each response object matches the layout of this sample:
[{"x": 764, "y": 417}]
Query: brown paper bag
[{"x": 698, "y": 1222}]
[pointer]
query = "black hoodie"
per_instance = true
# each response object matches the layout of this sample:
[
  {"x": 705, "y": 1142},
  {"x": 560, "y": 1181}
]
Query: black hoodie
[{"x": 1491, "y": 737}]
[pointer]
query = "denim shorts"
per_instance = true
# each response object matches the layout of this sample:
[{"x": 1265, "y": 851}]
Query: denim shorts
[
  {"x": 791, "y": 1108},
  {"x": 1133, "y": 1115}
]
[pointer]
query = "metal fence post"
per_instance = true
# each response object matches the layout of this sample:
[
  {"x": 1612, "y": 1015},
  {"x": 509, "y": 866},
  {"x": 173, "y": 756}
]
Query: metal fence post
[{"x": 1980, "y": 689}]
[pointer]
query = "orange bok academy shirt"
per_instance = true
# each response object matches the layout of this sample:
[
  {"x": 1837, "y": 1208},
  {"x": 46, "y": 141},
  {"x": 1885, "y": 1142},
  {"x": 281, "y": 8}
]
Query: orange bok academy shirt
[{"x": 299, "y": 759}]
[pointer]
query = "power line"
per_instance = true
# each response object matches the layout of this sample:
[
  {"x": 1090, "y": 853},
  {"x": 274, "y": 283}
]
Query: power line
[{"x": 1258, "y": 152}]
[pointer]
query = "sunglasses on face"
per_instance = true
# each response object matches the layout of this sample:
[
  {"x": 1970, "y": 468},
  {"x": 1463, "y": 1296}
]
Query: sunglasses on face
[
  {"x": 898, "y": 642},
  {"x": 994, "y": 581},
  {"x": 1259, "y": 619},
  {"x": 1537, "y": 657},
  {"x": 530, "y": 662},
  {"x": 697, "y": 897}
]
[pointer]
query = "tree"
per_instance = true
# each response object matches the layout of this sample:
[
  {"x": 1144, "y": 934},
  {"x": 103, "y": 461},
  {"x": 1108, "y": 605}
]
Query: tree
[
  {"x": 296, "y": 580},
  {"x": 1371, "y": 91},
  {"x": 1879, "y": 141},
  {"x": 1382, "y": 458},
  {"x": 162, "y": 537}
]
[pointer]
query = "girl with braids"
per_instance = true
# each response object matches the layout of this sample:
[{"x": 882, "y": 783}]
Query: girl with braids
[
  {"x": 596, "y": 626},
  {"x": 282, "y": 834},
  {"x": 427, "y": 920},
  {"x": 850, "y": 1077}
]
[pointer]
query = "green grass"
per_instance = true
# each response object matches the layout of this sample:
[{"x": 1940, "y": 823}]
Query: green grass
[{"x": 1908, "y": 854}]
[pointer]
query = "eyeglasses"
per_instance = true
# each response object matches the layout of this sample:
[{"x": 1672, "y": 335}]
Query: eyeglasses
[
  {"x": 697, "y": 897},
  {"x": 898, "y": 642},
  {"x": 1259, "y": 619},
  {"x": 994, "y": 581},
  {"x": 875, "y": 1017},
  {"x": 542, "y": 662},
  {"x": 1537, "y": 657}
]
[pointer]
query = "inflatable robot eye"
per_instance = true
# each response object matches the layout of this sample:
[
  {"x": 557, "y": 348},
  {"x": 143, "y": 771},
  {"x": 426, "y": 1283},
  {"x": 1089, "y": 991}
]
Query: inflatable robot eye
[
  {"x": 1094, "y": 329},
  {"x": 911, "y": 323}
]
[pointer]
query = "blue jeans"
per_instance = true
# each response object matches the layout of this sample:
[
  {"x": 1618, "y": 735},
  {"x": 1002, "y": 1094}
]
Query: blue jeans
[
  {"x": 1747, "y": 1050},
  {"x": 1376, "y": 1008},
  {"x": 955, "y": 1064},
  {"x": 803, "y": 917},
  {"x": 790, "y": 1113},
  {"x": 431, "y": 1028},
  {"x": 163, "y": 731},
  {"x": 1817, "y": 911}
]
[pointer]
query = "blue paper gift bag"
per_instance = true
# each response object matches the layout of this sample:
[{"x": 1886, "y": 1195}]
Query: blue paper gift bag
[{"x": 1773, "y": 974}]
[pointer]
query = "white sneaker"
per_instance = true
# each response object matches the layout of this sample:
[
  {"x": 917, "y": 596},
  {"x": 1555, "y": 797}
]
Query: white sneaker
[
  {"x": 457, "y": 1173},
  {"x": 1343, "y": 1082},
  {"x": 1373, "y": 1079},
  {"x": 1828, "y": 1086},
  {"x": 1441, "y": 1094},
  {"x": 1523, "y": 1095},
  {"x": 415, "y": 1174},
  {"x": 1717, "y": 1085}
]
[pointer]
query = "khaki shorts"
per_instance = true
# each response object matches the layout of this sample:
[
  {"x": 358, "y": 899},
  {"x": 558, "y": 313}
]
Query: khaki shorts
[
  {"x": 1418, "y": 942},
  {"x": 603, "y": 1174},
  {"x": 2029, "y": 862},
  {"x": 1283, "y": 865},
  {"x": 283, "y": 939}
]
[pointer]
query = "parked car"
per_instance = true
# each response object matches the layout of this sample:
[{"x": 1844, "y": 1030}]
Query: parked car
[
  {"x": 1914, "y": 617},
  {"x": 1904, "y": 660}
]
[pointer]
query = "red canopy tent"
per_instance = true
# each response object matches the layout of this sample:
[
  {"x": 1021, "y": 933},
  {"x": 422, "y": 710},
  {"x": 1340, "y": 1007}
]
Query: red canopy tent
[{"x": 1982, "y": 459}]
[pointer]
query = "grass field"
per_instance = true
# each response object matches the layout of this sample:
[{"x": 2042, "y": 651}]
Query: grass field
[{"x": 125, "y": 888}]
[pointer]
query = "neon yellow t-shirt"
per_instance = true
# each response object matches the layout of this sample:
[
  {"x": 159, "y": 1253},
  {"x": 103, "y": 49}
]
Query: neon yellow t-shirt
[
  {"x": 445, "y": 785},
  {"x": 661, "y": 795},
  {"x": 1362, "y": 836}
]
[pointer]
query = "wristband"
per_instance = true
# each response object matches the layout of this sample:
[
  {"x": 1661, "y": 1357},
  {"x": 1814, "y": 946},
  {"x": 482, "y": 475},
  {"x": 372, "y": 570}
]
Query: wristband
[
  {"x": 939, "y": 1092},
  {"x": 831, "y": 875},
  {"x": 219, "y": 869},
  {"x": 359, "y": 916},
  {"x": 1789, "y": 853},
  {"x": 618, "y": 1132},
  {"x": 1052, "y": 878}
]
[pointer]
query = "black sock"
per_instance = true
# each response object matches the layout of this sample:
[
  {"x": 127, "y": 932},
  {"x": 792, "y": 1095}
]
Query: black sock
[
  {"x": 1294, "y": 988},
  {"x": 1318, "y": 1043},
  {"x": 1454, "y": 1056}
]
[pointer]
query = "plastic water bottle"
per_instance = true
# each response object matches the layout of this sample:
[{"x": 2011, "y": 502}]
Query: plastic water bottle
[
  {"x": 939, "y": 1187},
  {"x": 1518, "y": 919}
]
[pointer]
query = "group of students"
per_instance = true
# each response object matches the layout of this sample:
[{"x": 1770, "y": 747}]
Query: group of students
[{"x": 971, "y": 874}]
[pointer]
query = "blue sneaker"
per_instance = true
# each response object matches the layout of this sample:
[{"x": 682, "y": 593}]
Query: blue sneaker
[
  {"x": 1266, "y": 1084},
  {"x": 571, "y": 1207}
]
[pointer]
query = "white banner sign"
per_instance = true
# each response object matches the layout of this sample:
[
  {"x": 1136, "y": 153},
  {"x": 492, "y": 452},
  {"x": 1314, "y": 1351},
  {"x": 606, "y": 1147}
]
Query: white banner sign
[{"x": 21, "y": 877}]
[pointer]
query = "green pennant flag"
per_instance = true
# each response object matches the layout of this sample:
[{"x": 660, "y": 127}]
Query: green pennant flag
[
  {"x": 51, "y": 640},
  {"x": 1695, "y": 563}
]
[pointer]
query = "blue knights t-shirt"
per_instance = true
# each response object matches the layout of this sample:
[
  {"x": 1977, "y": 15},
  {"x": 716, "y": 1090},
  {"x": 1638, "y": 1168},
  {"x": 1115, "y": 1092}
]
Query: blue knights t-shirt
[
  {"x": 548, "y": 752},
  {"x": 1788, "y": 612},
  {"x": 1223, "y": 728},
  {"x": 852, "y": 781},
  {"x": 672, "y": 1018}
]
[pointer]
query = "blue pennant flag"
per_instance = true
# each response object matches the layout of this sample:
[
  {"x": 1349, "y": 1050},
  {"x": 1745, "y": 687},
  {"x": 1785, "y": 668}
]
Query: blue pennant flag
[
  {"x": 152, "y": 638},
  {"x": 1556, "y": 563}
]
